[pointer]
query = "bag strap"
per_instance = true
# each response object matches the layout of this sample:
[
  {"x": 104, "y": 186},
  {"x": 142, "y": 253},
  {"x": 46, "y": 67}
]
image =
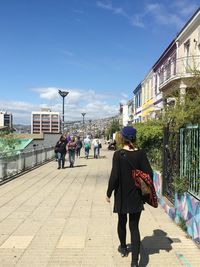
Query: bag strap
[{"x": 123, "y": 154}]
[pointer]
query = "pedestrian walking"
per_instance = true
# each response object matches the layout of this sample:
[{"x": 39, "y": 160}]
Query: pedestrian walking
[
  {"x": 71, "y": 148},
  {"x": 60, "y": 150},
  {"x": 78, "y": 146},
  {"x": 95, "y": 143},
  {"x": 128, "y": 199},
  {"x": 87, "y": 146}
]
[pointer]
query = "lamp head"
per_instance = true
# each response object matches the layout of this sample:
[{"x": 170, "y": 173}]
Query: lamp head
[{"x": 63, "y": 93}]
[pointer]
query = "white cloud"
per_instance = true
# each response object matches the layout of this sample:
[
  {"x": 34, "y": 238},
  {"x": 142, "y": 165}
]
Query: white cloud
[
  {"x": 96, "y": 105},
  {"x": 47, "y": 93},
  {"x": 137, "y": 21},
  {"x": 172, "y": 14},
  {"x": 184, "y": 7},
  {"x": 153, "y": 7},
  {"x": 163, "y": 16},
  {"x": 124, "y": 95},
  {"x": 105, "y": 5},
  {"x": 19, "y": 109},
  {"x": 116, "y": 10},
  {"x": 15, "y": 105}
]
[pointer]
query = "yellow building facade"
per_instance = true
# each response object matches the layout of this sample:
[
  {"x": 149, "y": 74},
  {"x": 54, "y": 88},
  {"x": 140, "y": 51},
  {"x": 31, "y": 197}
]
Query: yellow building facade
[{"x": 147, "y": 96}]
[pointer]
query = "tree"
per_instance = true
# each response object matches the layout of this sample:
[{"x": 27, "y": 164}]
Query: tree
[
  {"x": 8, "y": 142},
  {"x": 113, "y": 128}
]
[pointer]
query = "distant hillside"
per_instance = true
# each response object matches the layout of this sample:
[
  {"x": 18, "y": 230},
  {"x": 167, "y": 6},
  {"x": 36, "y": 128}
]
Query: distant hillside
[{"x": 90, "y": 125}]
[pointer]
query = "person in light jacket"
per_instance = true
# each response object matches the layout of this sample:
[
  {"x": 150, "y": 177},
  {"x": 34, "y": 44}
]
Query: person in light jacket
[
  {"x": 95, "y": 143},
  {"x": 87, "y": 146},
  {"x": 127, "y": 197}
]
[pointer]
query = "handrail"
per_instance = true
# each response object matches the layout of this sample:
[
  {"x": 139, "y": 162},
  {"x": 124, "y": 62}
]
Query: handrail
[{"x": 14, "y": 162}]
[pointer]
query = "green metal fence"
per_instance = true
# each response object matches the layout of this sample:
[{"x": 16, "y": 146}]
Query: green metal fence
[{"x": 190, "y": 157}]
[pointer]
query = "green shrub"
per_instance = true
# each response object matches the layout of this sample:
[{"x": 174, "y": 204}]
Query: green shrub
[{"x": 150, "y": 138}]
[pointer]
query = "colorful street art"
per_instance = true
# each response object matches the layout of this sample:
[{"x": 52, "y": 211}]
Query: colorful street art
[{"x": 186, "y": 207}]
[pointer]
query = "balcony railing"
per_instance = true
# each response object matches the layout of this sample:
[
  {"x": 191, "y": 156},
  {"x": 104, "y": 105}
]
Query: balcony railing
[
  {"x": 181, "y": 67},
  {"x": 14, "y": 162}
]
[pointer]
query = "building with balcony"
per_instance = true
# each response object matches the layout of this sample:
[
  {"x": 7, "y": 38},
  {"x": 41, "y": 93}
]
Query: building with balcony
[
  {"x": 171, "y": 73},
  {"x": 6, "y": 119},
  {"x": 180, "y": 60},
  {"x": 45, "y": 121}
]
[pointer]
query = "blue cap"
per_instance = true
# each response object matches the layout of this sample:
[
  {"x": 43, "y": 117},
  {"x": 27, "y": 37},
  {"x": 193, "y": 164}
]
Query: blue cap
[{"x": 128, "y": 133}]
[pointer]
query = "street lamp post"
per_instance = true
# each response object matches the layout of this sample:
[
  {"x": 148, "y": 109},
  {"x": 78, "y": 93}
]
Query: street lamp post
[
  {"x": 63, "y": 94},
  {"x": 83, "y": 114},
  {"x": 90, "y": 121}
]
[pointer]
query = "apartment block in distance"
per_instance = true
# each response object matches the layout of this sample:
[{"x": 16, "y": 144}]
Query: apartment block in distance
[
  {"x": 45, "y": 121},
  {"x": 6, "y": 119}
]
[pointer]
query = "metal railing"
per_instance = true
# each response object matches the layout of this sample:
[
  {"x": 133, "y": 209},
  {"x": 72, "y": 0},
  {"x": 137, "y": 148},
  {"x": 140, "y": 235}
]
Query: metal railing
[
  {"x": 180, "y": 67},
  {"x": 14, "y": 162},
  {"x": 190, "y": 157}
]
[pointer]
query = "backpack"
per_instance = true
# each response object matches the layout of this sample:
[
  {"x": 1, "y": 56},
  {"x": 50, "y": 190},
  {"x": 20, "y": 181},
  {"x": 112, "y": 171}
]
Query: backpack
[{"x": 87, "y": 146}]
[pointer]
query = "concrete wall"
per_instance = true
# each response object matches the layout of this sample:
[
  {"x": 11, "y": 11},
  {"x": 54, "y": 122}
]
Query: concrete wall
[{"x": 47, "y": 141}]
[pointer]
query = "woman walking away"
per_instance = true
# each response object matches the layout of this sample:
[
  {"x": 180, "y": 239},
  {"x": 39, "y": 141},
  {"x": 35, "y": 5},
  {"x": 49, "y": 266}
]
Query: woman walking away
[
  {"x": 127, "y": 197},
  {"x": 78, "y": 147},
  {"x": 95, "y": 143},
  {"x": 60, "y": 149},
  {"x": 87, "y": 146},
  {"x": 71, "y": 147}
]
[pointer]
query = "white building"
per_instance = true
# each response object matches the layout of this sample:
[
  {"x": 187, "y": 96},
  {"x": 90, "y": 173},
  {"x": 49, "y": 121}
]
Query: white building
[
  {"x": 6, "y": 119},
  {"x": 45, "y": 121},
  {"x": 125, "y": 115}
]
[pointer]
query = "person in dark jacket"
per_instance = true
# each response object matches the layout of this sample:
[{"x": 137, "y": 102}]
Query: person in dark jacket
[
  {"x": 60, "y": 149},
  {"x": 127, "y": 197},
  {"x": 78, "y": 147}
]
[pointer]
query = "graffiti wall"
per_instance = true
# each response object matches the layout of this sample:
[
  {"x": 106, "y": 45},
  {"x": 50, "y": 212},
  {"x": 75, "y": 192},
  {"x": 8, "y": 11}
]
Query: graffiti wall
[{"x": 185, "y": 207}]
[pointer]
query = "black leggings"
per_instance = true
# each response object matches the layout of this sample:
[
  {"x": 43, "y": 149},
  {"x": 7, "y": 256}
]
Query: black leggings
[{"x": 134, "y": 230}]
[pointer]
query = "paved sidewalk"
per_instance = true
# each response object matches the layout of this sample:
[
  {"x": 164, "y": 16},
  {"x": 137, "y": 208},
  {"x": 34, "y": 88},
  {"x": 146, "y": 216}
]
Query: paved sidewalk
[{"x": 51, "y": 217}]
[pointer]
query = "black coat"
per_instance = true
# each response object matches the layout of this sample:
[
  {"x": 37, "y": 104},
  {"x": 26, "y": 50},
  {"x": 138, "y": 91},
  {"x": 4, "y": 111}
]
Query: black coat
[
  {"x": 60, "y": 147},
  {"x": 127, "y": 198}
]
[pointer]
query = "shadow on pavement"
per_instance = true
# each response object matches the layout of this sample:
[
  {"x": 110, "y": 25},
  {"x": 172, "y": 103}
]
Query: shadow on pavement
[
  {"x": 83, "y": 165},
  {"x": 153, "y": 244},
  {"x": 92, "y": 157},
  {"x": 75, "y": 166}
]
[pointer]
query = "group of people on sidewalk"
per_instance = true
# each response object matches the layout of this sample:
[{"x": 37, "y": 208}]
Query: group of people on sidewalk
[
  {"x": 128, "y": 196},
  {"x": 73, "y": 145}
]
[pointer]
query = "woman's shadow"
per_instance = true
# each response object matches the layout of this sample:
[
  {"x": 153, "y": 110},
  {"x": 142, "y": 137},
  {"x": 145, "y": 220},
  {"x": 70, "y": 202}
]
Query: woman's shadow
[{"x": 153, "y": 244}]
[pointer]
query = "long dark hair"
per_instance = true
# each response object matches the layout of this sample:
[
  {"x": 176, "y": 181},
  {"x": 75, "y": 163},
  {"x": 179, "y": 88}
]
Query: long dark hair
[{"x": 130, "y": 143}]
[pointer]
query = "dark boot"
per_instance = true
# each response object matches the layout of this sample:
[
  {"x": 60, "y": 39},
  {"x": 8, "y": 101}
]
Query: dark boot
[
  {"x": 123, "y": 251},
  {"x": 134, "y": 264}
]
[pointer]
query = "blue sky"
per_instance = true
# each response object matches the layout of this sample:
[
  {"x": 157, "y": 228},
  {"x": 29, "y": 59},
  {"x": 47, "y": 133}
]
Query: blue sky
[{"x": 97, "y": 50}]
